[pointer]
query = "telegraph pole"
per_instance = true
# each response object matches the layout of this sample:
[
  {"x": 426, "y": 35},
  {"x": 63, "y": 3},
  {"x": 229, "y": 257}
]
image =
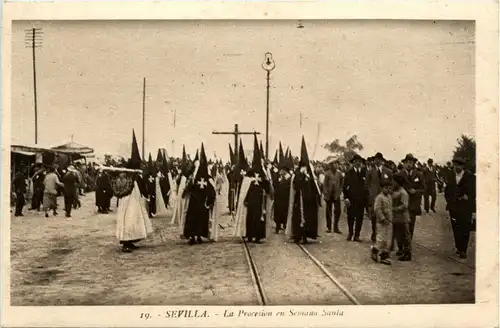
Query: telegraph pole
[
  {"x": 143, "y": 117},
  {"x": 33, "y": 39}
]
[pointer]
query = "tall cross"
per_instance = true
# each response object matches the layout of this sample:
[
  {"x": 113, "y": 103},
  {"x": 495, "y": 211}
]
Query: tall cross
[{"x": 236, "y": 133}]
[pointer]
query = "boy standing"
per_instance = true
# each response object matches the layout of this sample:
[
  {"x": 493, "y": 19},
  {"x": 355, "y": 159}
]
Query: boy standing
[
  {"x": 401, "y": 222},
  {"x": 383, "y": 213}
]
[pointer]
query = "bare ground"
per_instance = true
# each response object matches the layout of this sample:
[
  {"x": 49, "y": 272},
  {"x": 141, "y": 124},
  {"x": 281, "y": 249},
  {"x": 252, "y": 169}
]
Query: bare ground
[{"x": 77, "y": 261}]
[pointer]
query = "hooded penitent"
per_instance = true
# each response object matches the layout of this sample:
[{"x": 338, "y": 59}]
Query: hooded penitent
[
  {"x": 200, "y": 196},
  {"x": 305, "y": 200},
  {"x": 251, "y": 214},
  {"x": 161, "y": 182},
  {"x": 282, "y": 193},
  {"x": 133, "y": 223}
]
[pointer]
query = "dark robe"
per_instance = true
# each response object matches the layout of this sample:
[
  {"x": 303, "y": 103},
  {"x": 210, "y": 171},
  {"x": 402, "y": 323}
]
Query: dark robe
[
  {"x": 165, "y": 188},
  {"x": 104, "y": 192},
  {"x": 281, "y": 200},
  {"x": 198, "y": 212},
  {"x": 151, "y": 187},
  {"x": 254, "y": 201},
  {"x": 306, "y": 202},
  {"x": 232, "y": 190},
  {"x": 38, "y": 187}
]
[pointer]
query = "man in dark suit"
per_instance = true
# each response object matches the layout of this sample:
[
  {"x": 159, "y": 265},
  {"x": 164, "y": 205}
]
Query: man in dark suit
[
  {"x": 71, "y": 183},
  {"x": 430, "y": 177},
  {"x": 355, "y": 197},
  {"x": 414, "y": 184},
  {"x": 20, "y": 188},
  {"x": 374, "y": 178},
  {"x": 460, "y": 194}
]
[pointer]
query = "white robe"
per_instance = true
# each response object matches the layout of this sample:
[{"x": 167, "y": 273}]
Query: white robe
[
  {"x": 288, "y": 230},
  {"x": 213, "y": 226},
  {"x": 172, "y": 193},
  {"x": 161, "y": 209},
  {"x": 180, "y": 205},
  {"x": 240, "y": 229},
  {"x": 133, "y": 222}
]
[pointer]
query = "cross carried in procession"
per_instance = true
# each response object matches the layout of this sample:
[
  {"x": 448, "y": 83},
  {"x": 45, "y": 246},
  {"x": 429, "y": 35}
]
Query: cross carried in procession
[{"x": 236, "y": 133}]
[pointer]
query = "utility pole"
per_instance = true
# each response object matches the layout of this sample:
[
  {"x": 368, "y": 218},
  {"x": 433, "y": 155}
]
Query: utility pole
[
  {"x": 268, "y": 66},
  {"x": 143, "y": 117},
  {"x": 173, "y": 139},
  {"x": 33, "y": 39},
  {"x": 236, "y": 133}
]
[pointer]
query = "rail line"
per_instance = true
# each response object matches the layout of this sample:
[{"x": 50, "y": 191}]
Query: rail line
[
  {"x": 259, "y": 287},
  {"x": 443, "y": 256}
]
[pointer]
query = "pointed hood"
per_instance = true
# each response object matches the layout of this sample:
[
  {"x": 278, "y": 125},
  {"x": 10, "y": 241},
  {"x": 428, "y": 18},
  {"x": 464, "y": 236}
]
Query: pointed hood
[
  {"x": 197, "y": 156},
  {"x": 231, "y": 155},
  {"x": 151, "y": 165},
  {"x": 202, "y": 176},
  {"x": 281, "y": 154},
  {"x": 262, "y": 153},
  {"x": 159, "y": 157},
  {"x": 242, "y": 160},
  {"x": 135, "y": 160},
  {"x": 275, "y": 160},
  {"x": 304, "y": 156},
  {"x": 257, "y": 155}
]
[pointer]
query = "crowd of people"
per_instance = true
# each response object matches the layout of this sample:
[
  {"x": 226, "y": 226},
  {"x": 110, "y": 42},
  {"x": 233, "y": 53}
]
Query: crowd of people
[{"x": 287, "y": 190}]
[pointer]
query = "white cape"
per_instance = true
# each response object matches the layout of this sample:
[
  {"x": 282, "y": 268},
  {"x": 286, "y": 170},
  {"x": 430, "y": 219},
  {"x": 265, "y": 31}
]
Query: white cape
[
  {"x": 172, "y": 194},
  {"x": 180, "y": 205},
  {"x": 161, "y": 209},
  {"x": 132, "y": 217},
  {"x": 213, "y": 225},
  {"x": 288, "y": 230},
  {"x": 240, "y": 229}
]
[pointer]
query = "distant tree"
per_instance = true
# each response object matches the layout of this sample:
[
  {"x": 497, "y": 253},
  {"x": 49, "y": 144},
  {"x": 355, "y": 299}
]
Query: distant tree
[
  {"x": 466, "y": 149},
  {"x": 344, "y": 152}
]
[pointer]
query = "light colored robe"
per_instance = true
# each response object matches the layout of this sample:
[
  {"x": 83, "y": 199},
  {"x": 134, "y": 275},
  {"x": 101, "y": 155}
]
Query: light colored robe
[
  {"x": 161, "y": 209},
  {"x": 240, "y": 229},
  {"x": 133, "y": 222},
  {"x": 180, "y": 205}
]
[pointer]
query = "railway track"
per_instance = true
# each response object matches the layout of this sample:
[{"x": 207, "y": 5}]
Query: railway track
[{"x": 260, "y": 287}]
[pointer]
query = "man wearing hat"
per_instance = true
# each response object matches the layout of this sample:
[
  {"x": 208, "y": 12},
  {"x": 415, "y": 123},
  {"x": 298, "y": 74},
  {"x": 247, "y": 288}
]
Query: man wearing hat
[
  {"x": 430, "y": 176},
  {"x": 332, "y": 188},
  {"x": 71, "y": 183},
  {"x": 414, "y": 185},
  {"x": 460, "y": 194},
  {"x": 37, "y": 178},
  {"x": 355, "y": 197},
  {"x": 376, "y": 175}
]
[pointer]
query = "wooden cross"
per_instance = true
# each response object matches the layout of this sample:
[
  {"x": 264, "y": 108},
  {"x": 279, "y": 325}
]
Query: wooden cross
[{"x": 236, "y": 133}]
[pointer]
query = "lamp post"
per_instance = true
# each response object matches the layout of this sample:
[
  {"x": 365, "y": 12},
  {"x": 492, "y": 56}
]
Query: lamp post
[{"x": 268, "y": 65}]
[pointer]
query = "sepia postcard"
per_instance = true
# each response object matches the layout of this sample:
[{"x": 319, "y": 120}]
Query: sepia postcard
[{"x": 250, "y": 164}]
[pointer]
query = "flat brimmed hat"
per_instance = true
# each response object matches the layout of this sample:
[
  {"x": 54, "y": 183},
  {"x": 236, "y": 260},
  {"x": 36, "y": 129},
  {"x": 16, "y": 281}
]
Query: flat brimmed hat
[
  {"x": 459, "y": 160},
  {"x": 385, "y": 183},
  {"x": 357, "y": 157},
  {"x": 409, "y": 157}
]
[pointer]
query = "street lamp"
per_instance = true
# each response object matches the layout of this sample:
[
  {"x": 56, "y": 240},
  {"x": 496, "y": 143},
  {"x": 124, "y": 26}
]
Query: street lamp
[{"x": 268, "y": 65}]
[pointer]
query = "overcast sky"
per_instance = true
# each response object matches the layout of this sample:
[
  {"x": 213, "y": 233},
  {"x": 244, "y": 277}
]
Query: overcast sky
[{"x": 401, "y": 86}]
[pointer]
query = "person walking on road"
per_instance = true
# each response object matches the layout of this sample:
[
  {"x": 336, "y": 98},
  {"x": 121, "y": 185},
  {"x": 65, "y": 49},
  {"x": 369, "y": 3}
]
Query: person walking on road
[
  {"x": 383, "y": 213},
  {"x": 415, "y": 186},
  {"x": 355, "y": 197},
  {"x": 71, "y": 183},
  {"x": 401, "y": 219},
  {"x": 332, "y": 188},
  {"x": 460, "y": 194},
  {"x": 20, "y": 187},
  {"x": 430, "y": 176},
  {"x": 51, "y": 184}
]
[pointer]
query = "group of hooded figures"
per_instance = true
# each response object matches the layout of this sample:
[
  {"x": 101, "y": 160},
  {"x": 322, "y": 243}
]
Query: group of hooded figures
[{"x": 257, "y": 193}]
